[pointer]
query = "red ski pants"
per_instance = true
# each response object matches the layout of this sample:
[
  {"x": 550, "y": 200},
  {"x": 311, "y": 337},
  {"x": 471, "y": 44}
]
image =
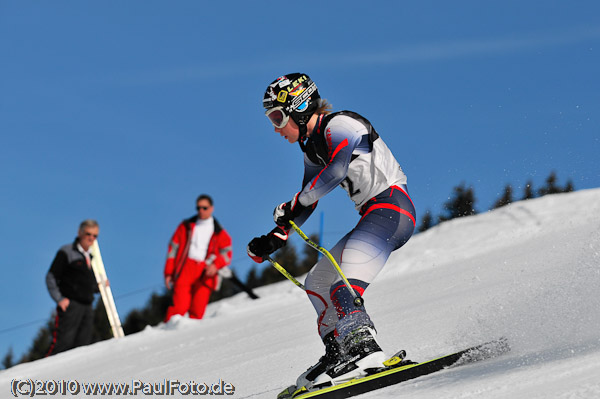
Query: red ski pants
[{"x": 191, "y": 291}]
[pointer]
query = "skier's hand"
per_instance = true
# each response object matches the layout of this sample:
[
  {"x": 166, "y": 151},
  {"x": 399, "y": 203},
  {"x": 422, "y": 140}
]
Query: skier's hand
[
  {"x": 260, "y": 247},
  {"x": 287, "y": 211}
]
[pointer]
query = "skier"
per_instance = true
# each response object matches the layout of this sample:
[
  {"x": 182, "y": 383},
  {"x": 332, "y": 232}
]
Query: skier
[{"x": 340, "y": 148}]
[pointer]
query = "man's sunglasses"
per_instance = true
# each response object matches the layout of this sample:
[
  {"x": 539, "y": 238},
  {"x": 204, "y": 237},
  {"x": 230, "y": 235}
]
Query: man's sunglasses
[
  {"x": 91, "y": 234},
  {"x": 204, "y": 208}
]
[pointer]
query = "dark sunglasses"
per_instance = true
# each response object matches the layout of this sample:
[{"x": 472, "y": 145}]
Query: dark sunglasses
[
  {"x": 93, "y": 235},
  {"x": 204, "y": 208}
]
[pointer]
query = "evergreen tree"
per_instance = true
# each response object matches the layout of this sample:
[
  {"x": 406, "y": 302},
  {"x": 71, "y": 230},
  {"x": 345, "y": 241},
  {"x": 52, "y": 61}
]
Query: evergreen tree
[
  {"x": 426, "y": 222},
  {"x": 505, "y": 199},
  {"x": 460, "y": 204},
  {"x": 41, "y": 343},
  {"x": 158, "y": 307},
  {"x": 270, "y": 275},
  {"x": 528, "y": 192},
  {"x": 550, "y": 187},
  {"x": 134, "y": 322},
  {"x": 101, "y": 329},
  {"x": 311, "y": 257},
  {"x": 8, "y": 360},
  {"x": 150, "y": 315},
  {"x": 287, "y": 258},
  {"x": 569, "y": 187},
  {"x": 253, "y": 280}
]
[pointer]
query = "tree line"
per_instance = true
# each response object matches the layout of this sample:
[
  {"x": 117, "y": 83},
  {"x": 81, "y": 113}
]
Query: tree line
[
  {"x": 461, "y": 203},
  {"x": 462, "y": 200}
]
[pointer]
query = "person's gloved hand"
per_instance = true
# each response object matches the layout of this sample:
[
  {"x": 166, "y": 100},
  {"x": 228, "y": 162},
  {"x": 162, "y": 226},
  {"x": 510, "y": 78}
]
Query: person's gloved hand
[
  {"x": 287, "y": 211},
  {"x": 260, "y": 247}
]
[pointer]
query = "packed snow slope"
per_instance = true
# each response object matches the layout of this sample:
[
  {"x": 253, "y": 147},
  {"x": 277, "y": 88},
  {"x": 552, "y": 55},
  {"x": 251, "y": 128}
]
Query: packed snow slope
[{"x": 529, "y": 271}]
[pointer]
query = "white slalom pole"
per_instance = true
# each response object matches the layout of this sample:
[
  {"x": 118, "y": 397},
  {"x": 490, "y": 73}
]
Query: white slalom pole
[{"x": 106, "y": 292}]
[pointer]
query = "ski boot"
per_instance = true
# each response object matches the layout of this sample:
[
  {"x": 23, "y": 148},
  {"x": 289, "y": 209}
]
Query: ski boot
[
  {"x": 333, "y": 355},
  {"x": 361, "y": 355}
]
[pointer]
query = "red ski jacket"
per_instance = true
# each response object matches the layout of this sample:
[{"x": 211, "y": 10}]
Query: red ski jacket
[{"x": 219, "y": 249}]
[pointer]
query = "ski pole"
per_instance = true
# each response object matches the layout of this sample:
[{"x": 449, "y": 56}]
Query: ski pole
[
  {"x": 287, "y": 275},
  {"x": 358, "y": 301},
  {"x": 243, "y": 286}
]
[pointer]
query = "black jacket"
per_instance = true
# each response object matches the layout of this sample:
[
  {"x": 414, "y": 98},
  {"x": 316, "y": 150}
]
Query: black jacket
[{"x": 70, "y": 276}]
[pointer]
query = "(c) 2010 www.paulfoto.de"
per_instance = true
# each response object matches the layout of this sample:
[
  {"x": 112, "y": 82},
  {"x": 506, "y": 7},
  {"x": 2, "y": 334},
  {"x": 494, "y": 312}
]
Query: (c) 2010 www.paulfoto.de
[{"x": 172, "y": 387}]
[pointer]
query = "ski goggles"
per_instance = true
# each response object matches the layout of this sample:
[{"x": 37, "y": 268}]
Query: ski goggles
[{"x": 277, "y": 117}]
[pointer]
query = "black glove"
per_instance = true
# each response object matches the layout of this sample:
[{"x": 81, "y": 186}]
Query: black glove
[
  {"x": 260, "y": 247},
  {"x": 288, "y": 211}
]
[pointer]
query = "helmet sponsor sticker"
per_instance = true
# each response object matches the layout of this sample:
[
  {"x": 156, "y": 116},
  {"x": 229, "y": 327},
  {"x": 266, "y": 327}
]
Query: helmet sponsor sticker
[
  {"x": 283, "y": 82},
  {"x": 303, "y": 97},
  {"x": 302, "y": 106},
  {"x": 282, "y": 96},
  {"x": 297, "y": 91}
]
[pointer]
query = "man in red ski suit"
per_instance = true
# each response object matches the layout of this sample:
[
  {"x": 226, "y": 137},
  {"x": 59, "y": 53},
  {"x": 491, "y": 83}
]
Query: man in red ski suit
[{"x": 198, "y": 249}]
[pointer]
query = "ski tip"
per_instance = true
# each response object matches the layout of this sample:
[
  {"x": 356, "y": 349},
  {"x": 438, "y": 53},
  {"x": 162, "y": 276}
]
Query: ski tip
[
  {"x": 287, "y": 393},
  {"x": 299, "y": 391},
  {"x": 292, "y": 392}
]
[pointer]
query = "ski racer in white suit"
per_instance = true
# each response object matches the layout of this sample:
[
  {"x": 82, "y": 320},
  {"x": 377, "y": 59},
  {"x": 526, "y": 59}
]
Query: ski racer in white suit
[{"x": 342, "y": 149}]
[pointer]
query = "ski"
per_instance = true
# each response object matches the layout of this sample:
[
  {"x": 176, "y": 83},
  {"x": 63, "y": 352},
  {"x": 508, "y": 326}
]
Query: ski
[
  {"x": 106, "y": 292},
  {"x": 398, "y": 372}
]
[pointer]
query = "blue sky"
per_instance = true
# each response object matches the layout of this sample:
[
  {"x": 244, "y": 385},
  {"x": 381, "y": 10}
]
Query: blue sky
[{"x": 126, "y": 111}]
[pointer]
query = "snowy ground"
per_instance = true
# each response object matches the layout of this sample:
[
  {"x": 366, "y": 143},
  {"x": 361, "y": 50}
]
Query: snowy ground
[{"x": 529, "y": 271}]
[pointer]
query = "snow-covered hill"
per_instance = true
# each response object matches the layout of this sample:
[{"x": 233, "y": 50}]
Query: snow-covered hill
[{"x": 529, "y": 271}]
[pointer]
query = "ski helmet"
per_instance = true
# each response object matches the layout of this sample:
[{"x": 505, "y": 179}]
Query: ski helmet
[{"x": 296, "y": 96}]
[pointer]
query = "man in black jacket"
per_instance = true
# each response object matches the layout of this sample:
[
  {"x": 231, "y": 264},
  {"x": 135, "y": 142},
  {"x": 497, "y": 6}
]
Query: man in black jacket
[{"x": 71, "y": 283}]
